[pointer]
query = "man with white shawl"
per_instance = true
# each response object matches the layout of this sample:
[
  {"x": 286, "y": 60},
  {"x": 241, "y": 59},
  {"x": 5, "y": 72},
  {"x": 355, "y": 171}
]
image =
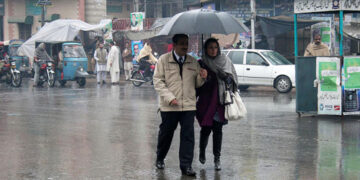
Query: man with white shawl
[{"x": 113, "y": 63}]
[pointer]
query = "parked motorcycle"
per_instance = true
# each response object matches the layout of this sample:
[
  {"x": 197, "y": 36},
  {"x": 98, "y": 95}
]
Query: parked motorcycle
[
  {"x": 11, "y": 74},
  {"x": 47, "y": 73},
  {"x": 138, "y": 75}
]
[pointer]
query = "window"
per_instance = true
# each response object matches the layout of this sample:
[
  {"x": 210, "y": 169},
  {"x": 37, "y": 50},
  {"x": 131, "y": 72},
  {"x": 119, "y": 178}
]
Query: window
[
  {"x": 237, "y": 57},
  {"x": 275, "y": 58},
  {"x": 224, "y": 52},
  {"x": 24, "y": 31},
  {"x": 74, "y": 51},
  {"x": 114, "y": 6},
  {"x": 253, "y": 58}
]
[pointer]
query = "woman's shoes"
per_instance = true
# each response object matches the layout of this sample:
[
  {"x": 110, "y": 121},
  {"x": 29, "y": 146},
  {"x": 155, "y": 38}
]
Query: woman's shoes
[
  {"x": 217, "y": 164},
  {"x": 202, "y": 158}
]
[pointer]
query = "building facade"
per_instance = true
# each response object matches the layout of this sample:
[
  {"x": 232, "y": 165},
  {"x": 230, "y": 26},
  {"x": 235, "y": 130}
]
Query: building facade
[{"x": 20, "y": 19}]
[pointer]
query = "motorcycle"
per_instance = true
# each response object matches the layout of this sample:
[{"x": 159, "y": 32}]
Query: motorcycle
[
  {"x": 138, "y": 75},
  {"x": 11, "y": 74},
  {"x": 47, "y": 73}
]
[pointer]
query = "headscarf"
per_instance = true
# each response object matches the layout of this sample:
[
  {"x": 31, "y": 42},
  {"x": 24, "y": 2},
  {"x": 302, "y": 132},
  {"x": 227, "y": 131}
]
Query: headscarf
[
  {"x": 147, "y": 51},
  {"x": 222, "y": 66}
]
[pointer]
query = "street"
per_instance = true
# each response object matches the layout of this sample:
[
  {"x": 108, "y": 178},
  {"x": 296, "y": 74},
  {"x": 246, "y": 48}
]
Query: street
[{"x": 110, "y": 132}]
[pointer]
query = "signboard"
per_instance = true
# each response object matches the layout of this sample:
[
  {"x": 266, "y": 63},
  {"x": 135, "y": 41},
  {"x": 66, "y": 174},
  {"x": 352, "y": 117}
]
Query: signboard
[
  {"x": 329, "y": 90},
  {"x": 352, "y": 72},
  {"x": 108, "y": 31},
  {"x": 136, "y": 46},
  {"x": 137, "y": 19},
  {"x": 312, "y": 6},
  {"x": 32, "y": 9},
  {"x": 43, "y": 3},
  {"x": 350, "y": 5}
]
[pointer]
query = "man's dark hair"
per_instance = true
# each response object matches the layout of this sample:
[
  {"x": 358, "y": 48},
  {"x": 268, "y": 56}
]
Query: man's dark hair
[
  {"x": 212, "y": 40},
  {"x": 112, "y": 43},
  {"x": 176, "y": 37},
  {"x": 316, "y": 32}
]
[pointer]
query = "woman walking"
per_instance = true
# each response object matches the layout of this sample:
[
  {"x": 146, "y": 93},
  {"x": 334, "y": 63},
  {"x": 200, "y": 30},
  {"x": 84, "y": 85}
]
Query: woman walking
[{"x": 210, "y": 104}]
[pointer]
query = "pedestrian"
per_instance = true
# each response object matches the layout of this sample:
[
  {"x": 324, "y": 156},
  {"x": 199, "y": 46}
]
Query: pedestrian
[
  {"x": 128, "y": 64},
  {"x": 175, "y": 79},
  {"x": 100, "y": 56},
  {"x": 113, "y": 63},
  {"x": 40, "y": 55},
  {"x": 210, "y": 105},
  {"x": 317, "y": 48}
]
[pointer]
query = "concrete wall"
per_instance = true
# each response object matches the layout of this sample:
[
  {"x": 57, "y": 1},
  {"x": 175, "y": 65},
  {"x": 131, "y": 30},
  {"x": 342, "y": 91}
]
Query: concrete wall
[
  {"x": 68, "y": 9},
  {"x": 95, "y": 10},
  {"x": 13, "y": 8}
]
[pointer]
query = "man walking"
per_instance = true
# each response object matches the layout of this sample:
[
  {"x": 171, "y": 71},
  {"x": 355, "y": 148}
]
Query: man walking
[
  {"x": 176, "y": 77},
  {"x": 100, "y": 56},
  {"x": 113, "y": 63},
  {"x": 128, "y": 65}
]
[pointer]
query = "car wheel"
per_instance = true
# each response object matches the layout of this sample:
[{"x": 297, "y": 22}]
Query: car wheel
[
  {"x": 283, "y": 84},
  {"x": 243, "y": 88}
]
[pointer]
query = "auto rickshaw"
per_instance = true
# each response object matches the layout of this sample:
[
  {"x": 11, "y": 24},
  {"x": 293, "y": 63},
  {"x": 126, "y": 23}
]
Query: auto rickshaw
[
  {"x": 9, "y": 51},
  {"x": 70, "y": 61}
]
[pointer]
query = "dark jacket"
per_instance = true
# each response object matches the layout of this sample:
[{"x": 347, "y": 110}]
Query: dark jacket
[{"x": 208, "y": 101}]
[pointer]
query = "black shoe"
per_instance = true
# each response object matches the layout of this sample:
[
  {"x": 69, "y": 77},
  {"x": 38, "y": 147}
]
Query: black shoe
[
  {"x": 188, "y": 172},
  {"x": 160, "y": 164},
  {"x": 104, "y": 82},
  {"x": 217, "y": 164},
  {"x": 202, "y": 158}
]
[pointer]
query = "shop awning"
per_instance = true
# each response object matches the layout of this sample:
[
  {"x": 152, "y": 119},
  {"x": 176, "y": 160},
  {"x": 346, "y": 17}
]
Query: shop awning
[
  {"x": 21, "y": 19},
  {"x": 276, "y": 25},
  {"x": 352, "y": 30},
  {"x": 50, "y": 18}
]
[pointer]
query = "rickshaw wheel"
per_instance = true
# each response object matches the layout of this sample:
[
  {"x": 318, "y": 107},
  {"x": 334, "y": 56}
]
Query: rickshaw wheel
[
  {"x": 62, "y": 82},
  {"x": 81, "y": 82}
]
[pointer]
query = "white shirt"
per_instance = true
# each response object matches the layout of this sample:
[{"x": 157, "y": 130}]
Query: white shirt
[{"x": 178, "y": 57}]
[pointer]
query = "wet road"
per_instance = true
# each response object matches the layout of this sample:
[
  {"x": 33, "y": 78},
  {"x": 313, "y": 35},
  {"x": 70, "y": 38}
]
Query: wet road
[{"x": 110, "y": 132}]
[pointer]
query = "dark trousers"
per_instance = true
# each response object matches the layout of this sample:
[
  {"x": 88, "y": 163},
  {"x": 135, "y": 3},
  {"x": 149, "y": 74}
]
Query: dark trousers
[
  {"x": 217, "y": 138},
  {"x": 168, "y": 125}
]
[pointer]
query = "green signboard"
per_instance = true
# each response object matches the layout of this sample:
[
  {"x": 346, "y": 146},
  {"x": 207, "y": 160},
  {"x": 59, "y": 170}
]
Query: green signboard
[
  {"x": 328, "y": 75},
  {"x": 352, "y": 72},
  {"x": 32, "y": 9}
]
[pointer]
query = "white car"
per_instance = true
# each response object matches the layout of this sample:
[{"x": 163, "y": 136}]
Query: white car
[{"x": 262, "y": 68}]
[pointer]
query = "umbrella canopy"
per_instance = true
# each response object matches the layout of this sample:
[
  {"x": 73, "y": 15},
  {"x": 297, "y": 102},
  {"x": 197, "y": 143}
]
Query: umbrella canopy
[{"x": 202, "y": 21}]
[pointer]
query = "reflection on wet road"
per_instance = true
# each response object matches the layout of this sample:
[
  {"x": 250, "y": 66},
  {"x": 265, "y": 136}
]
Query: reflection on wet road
[{"x": 110, "y": 132}]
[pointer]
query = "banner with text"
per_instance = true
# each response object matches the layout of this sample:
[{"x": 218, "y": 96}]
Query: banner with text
[
  {"x": 329, "y": 90},
  {"x": 352, "y": 72},
  {"x": 312, "y": 6}
]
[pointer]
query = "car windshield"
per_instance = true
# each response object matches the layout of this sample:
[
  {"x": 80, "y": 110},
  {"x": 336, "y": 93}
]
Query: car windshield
[
  {"x": 275, "y": 58},
  {"x": 13, "y": 50},
  {"x": 74, "y": 51}
]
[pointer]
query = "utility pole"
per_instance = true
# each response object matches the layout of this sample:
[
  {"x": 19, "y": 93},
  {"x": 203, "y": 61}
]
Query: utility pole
[
  {"x": 253, "y": 17},
  {"x": 136, "y": 5},
  {"x": 43, "y": 4}
]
